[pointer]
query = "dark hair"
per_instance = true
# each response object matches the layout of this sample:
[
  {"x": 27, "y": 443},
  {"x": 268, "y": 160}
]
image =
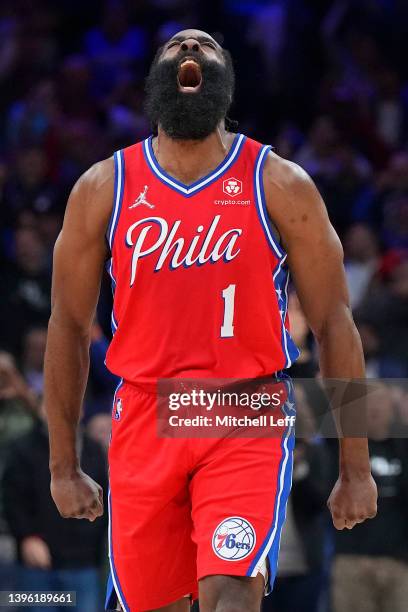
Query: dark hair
[{"x": 231, "y": 125}]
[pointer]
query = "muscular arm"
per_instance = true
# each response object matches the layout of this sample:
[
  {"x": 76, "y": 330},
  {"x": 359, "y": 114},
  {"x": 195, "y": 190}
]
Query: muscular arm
[
  {"x": 79, "y": 255},
  {"x": 315, "y": 259}
]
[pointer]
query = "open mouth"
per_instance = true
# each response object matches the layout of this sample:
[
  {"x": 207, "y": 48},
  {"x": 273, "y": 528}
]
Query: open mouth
[{"x": 189, "y": 76}]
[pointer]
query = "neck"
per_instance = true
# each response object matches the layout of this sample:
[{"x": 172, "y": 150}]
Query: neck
[{"x": 190, "y": 160}]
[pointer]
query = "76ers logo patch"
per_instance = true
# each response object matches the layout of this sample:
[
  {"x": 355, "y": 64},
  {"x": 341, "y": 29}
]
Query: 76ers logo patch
[{"x": 234, "y": 539}]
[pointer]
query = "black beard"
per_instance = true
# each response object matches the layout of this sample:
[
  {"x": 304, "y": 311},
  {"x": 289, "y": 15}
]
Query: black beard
[{"x": 189, "y": 116}]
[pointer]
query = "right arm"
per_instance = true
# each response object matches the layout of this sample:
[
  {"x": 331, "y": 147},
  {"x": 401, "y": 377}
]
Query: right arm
[
  {"x": 79, "y": 256},
  {"x": 315, "y": 258}
]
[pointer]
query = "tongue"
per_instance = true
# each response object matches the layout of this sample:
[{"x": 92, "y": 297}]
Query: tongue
[{"x": 189, "y": 75}]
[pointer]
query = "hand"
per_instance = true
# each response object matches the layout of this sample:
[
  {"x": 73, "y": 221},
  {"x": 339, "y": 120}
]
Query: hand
[
  {"x": 77, "y": 496},
  {"x": 352, "y": 501},
  {"x": 35, "y": 552}
]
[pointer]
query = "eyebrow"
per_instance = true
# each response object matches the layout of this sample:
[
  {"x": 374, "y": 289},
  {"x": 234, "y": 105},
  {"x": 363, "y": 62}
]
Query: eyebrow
[{"x": 200, "y": 39}]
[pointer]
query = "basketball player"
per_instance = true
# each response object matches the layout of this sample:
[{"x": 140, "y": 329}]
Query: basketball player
[{"x": 199, "y": 227}]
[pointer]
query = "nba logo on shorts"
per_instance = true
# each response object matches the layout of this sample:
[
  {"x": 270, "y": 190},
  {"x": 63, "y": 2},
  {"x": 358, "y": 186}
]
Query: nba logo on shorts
[
  {"x": 118, "y": 409},
  {"x": 233, "y": 539}
]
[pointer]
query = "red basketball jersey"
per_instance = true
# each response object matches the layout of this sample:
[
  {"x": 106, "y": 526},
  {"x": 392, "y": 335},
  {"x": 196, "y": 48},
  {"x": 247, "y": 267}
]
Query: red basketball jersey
[{"x": 200, "y": 284}]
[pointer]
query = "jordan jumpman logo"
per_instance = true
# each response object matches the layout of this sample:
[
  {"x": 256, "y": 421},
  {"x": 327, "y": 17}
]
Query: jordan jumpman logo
[{"x": 141, "y": 199}]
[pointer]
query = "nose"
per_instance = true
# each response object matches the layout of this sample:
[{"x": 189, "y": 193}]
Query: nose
[{"x": 190, "y": 44}]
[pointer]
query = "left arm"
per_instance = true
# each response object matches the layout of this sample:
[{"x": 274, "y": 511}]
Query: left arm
[{"x": 315, "y": 259}]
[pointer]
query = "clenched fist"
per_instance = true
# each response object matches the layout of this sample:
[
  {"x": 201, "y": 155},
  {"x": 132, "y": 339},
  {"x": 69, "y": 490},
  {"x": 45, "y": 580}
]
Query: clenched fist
[
  {"x": 352, "y": 501},
  {"x": 77, "y": 496}
]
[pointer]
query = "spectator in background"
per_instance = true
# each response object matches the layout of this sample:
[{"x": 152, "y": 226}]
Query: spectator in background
[
  {"x": 361, "y": 255},
  {"x": 126, "y": 122},
  {"x": 18, "y": 411},
  {"x": 318, "y": 153},
  {"x": 399, "y": 392},
  {"x": 26, "y": 287},
  {"x": 48, "y": 223},
  {"x": 301, "y": 578},
  {"x": 54, "y": 553},
  {"x": 114, "y": 48},
  {"x": 389, "y": 209},
  {"x": 370, "y": 572},
  {"x": 101, "y": 382},
  {"x": 349, "y": 184},
  {"x": 9, "y": 46},
  {"x": 390, "y": 109},
  {"x": 268, "y": 31},
  {"x": 18, "y": 404},
  {"x": 341, "y": 173},
  {"x": 98, "y": 428},
  {"x": 33, "y": 358},
  {"x": 81, "y": 144},
  {"x": 74, "y": 88},
  {"x": 29, "y": 186},
  {"x": 371, "y": 346},
  {"x": 385, "y": 311},
  {"x": 288, "y": 140},
  {"x": 33, "y": 118},
  {"x": 305, "y": 366}
]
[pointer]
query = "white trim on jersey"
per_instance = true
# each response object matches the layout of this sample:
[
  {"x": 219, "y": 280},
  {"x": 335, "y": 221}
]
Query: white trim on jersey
[
  {"x": 261, "y": 204},
  {"x": 285, "y": 479},
  {"x": 200, "y": 184},
  {"x": 118, "y": 193}
]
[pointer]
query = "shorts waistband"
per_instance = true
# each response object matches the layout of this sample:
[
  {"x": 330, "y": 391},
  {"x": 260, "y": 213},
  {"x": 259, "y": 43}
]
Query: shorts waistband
[{"x": 163, "y": 386}]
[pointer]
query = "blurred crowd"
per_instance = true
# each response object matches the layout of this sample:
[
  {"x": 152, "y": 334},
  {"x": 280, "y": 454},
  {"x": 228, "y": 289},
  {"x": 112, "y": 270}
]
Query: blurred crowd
[{"x": 326, "y": 83}]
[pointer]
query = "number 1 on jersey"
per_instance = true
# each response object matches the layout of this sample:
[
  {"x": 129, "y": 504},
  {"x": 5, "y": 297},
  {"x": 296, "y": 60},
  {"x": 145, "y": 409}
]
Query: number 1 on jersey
[{"x": 227, "y": 328}]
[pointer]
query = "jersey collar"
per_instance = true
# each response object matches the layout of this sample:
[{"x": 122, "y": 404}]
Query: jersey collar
[{"x": 189, "y": 190}]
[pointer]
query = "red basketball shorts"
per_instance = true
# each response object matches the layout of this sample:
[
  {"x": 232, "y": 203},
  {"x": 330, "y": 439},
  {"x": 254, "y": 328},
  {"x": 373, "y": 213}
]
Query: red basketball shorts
[{"x": 183, "y": 509}]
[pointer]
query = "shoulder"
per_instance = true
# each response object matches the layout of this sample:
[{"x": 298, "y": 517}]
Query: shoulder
[
  {"x": 91, "y": 198},
  {"x": 293, "y": 202},
  {"x": 98, "y": 179},
  {"x": 286, "y": 179}
]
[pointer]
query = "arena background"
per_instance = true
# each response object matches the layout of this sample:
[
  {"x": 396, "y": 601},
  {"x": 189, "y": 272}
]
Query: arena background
[{"x": 326, "y": 83}]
